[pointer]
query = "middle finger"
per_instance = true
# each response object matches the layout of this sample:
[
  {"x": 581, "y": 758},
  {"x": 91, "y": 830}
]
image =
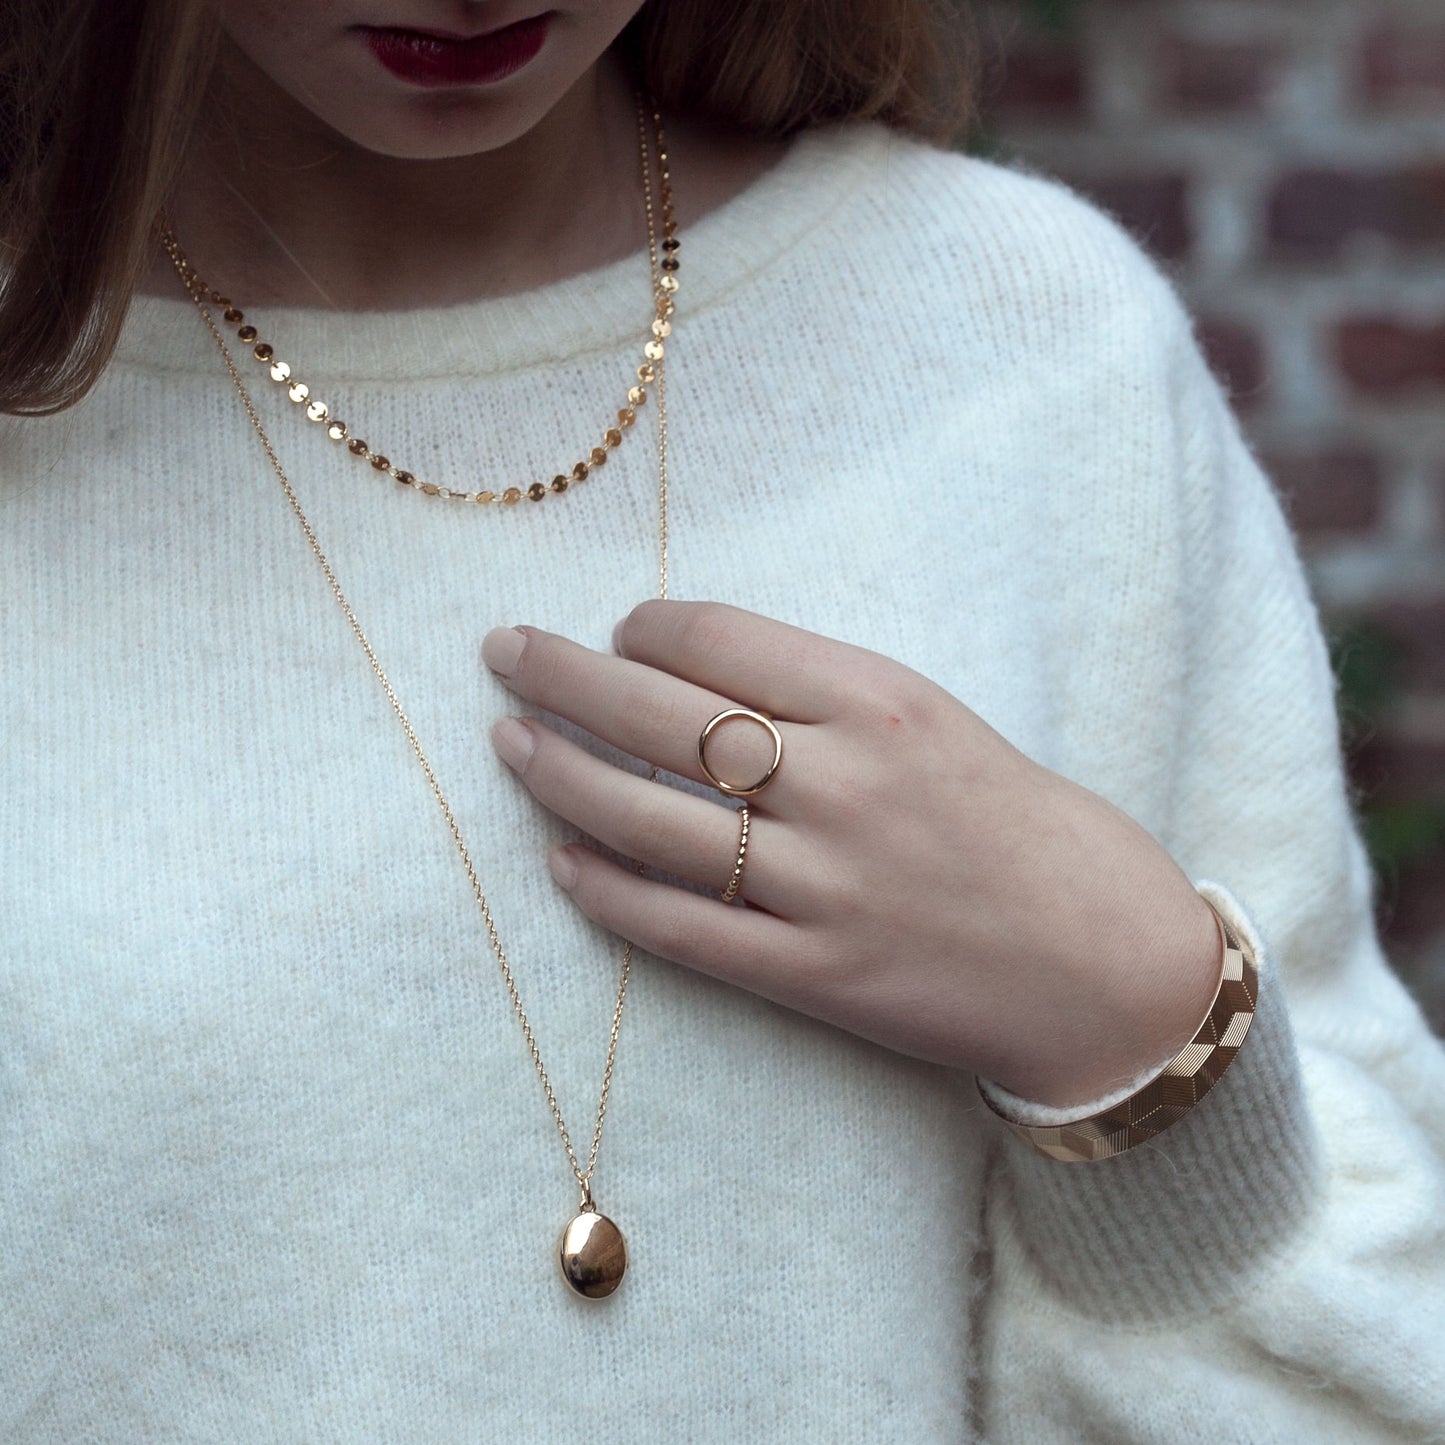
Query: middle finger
[{"x": 642, "y": 710}]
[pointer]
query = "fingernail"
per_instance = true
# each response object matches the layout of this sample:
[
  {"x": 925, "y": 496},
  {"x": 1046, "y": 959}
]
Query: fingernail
[
  {"x": 501, "y": 648},
  {"x": 563, "y": 866},
  {"x": 617, "y": 638},
  {"x": 513, "y": 741}
]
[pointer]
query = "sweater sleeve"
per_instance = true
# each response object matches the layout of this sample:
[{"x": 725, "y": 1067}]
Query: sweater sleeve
[{"x": 1272, "y": 1267}]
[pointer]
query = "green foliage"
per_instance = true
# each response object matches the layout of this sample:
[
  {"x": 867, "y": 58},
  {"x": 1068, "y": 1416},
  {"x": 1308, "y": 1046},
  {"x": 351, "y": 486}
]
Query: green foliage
[
  {"x": 1057, "y": 17},
  {"x": 1367, "y": 665},
  {"x": 983, "y": 141},
  {"x": 1400, "y": 834}
]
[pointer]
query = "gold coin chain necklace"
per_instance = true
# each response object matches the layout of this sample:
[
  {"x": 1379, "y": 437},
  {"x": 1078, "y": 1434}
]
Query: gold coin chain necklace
[
  {"x": 592, "y": 1251},
  {"x": 314, "y": 409}
]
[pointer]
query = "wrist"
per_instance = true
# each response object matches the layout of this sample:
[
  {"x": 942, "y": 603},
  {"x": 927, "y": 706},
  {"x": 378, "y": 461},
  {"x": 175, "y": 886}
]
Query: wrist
[
  {"x": 1128, "y": 1118},
  {"x": 1156, "y": 978}
]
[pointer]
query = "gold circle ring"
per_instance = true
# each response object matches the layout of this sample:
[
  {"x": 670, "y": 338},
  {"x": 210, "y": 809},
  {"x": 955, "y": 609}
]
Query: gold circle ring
[{"x": 728, "y": 788}]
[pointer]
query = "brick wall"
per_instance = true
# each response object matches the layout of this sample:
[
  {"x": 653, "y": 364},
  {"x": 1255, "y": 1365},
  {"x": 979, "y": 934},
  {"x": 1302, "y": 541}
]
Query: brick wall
[{"x": 1286, "y": 161}]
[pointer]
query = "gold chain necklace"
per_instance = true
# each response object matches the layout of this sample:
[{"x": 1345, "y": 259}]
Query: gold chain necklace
[
  {"x": 592, "y": 1251},
  {"x": 665, "y": 284}
]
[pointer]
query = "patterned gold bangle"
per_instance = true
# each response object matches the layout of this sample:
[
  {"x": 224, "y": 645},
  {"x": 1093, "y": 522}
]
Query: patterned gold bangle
[{"x": 1171, "y": 1094}]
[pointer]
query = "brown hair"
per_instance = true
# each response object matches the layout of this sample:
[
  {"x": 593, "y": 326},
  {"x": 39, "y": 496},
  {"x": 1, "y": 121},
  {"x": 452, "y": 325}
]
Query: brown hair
[{"x": 98, "y": 98}]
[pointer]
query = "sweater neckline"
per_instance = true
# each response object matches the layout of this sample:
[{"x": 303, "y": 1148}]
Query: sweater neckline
[{"x": 593, "y": 311}]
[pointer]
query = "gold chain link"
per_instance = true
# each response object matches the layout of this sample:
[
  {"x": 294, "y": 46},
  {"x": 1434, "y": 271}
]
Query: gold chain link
[
  {"x": 664, "y": 287},
  {"x": 200, "y": 296}
]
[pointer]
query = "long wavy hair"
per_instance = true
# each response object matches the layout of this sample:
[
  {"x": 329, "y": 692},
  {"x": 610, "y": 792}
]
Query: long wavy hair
[{"x": 98, "y": 100}]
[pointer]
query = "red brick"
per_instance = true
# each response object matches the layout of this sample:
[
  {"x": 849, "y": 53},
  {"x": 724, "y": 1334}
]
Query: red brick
[
  {"x": 1383, "y": 357},
  {"x": 1236, "y": 355},
  {"x": 1154, "y": 207},
  {"x": 1331, "y": 490},
  {"x": 1039, "y": 79},
  {"x": 1417, "y": 630},
  {"x": 1317, "y": 213},
  {"x": 1213, "y": 77},
  {"x": 1400, "y": 769},
  {"x": 1404, "y": 66}
]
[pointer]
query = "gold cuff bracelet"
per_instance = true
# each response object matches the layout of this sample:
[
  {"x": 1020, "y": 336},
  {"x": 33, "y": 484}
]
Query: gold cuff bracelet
[{"x": 1169, "y": 1095}]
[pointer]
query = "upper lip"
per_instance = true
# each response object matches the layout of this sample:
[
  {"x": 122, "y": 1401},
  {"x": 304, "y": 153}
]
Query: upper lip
[{"x": 432, "y": 34}]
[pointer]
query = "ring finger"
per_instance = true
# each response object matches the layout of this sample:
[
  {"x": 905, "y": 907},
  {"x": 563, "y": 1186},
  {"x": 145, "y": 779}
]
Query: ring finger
[{"x": 668, "y": 828}]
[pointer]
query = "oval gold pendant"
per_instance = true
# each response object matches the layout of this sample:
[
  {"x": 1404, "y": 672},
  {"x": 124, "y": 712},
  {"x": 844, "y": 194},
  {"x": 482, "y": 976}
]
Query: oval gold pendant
[{"x": 593, "y": 1254}]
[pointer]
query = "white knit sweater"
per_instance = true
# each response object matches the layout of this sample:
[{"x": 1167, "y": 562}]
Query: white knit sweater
[{"x": 274, "y": 1165}]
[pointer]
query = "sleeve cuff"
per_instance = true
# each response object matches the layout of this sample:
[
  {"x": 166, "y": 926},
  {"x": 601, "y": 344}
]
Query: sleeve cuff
[{"x": 1182, "y": 1220}]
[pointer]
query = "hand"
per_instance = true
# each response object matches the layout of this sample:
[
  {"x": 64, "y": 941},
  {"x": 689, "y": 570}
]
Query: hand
[{"x": 911, "y": 876}]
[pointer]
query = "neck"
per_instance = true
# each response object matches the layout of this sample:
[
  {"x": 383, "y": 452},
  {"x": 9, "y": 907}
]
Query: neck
[{"x": 281, "y": 210}]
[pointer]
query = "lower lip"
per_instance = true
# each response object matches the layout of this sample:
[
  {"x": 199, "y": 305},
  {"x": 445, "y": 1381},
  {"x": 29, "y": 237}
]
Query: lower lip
[{"x": 431, "y": 61}]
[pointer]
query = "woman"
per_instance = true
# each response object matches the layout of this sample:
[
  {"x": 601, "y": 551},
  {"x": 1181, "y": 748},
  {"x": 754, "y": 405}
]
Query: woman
[{"x": 1036, "y": 739}]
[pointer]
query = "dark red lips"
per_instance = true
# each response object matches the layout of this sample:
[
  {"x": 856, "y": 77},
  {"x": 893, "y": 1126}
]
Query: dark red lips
[{"x": 431, "y": 59}]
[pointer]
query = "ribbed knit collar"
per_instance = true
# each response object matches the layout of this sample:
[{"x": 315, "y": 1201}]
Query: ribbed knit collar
[{"x": 594, "y": 311}]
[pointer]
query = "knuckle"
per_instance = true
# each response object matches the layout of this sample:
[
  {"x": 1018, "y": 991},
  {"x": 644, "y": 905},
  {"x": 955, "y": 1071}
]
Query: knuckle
[
  {"x": 533, "y": 770},
  {"x": 854, "y": 799},
  {"x": 595, "y": 890},
  {"x": 638, "y": 625},
  {"x": 845, "y": 899},
  {"x": 706, "y": 630},
  {"x": 656, "y": 712},
  {"x": 825, "y": 969},
  {"x": 546, "y": 772},
  {"x": 539, "y": 669},
  {"x": 890, "y": 705},
  {"x": 646, "y": 827},
  {"x": 852, "y": 966},
  {"x": 669, "y": 936}
]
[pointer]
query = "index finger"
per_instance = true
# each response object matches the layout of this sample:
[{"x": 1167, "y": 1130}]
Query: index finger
[{"x": 785, "y": 671}]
